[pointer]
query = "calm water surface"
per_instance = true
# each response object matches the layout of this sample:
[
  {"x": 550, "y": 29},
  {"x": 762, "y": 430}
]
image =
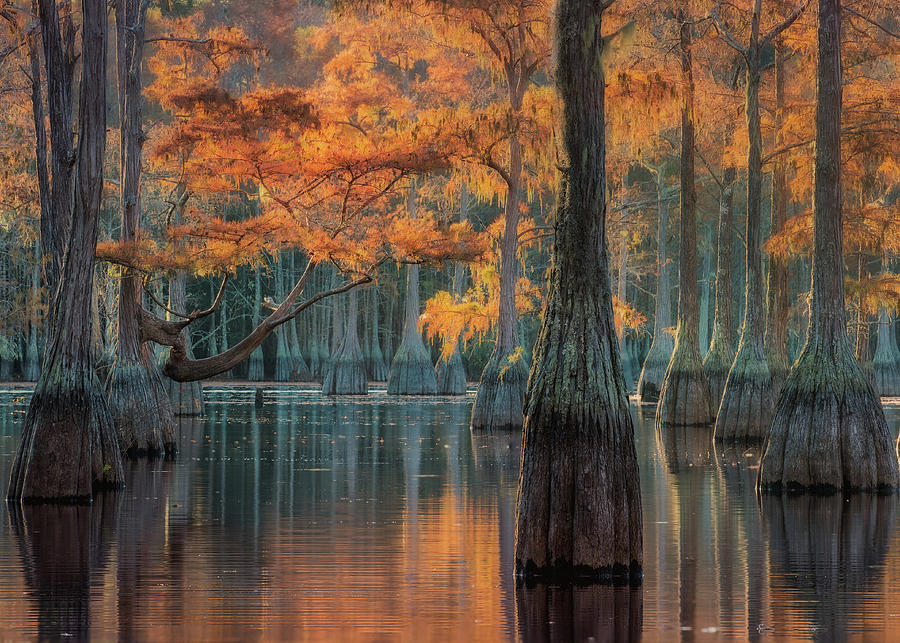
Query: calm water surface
[{"x": 385, "y": 519}]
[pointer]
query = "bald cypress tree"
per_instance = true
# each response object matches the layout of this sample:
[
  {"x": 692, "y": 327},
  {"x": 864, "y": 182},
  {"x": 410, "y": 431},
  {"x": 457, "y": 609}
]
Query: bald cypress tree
[
  {"x": 829, "y": 431},
  {"x": 579, "y": 511}
]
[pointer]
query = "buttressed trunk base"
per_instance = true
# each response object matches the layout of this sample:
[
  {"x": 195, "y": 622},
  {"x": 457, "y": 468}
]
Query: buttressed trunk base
[
  {"x": 579, "y": 509},
  {"x": 829, "y": 433}
]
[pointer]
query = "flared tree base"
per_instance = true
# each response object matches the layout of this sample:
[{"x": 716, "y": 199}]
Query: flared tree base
[
  {"x": 748, "y": 402},
  {"x": 140, "y": 410},
  {"x": 347, "y": 376},
  {"x": 500, "y": 397},
  {"x": 716, "y": 366},
  {"x": 378, "y": 371},
  {"x": 653, "y": 373},
  {"x": 887, "y": 377},
  {"x": 69, "y": 446},
  {"x": 412, "y": 372},
  {"x": 829, "y": 433},
  {"x": 579, "y": 479},
  {"x": 451, "y": 375},
  {"x": 684, "y": 399}
]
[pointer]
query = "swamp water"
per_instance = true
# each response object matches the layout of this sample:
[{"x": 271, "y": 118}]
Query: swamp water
[{"x": 383, "y": 519}]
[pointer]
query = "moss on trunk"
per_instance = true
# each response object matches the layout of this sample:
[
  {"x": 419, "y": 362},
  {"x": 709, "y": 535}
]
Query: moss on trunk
[
  {"x": 829, "y": 432},
  {"x": 579, "y": 509},
  {"x": 68, "y": 443}
]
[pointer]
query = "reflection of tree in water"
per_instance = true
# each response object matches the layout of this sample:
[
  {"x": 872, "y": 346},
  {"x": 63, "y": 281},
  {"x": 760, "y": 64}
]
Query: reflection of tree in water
[
  {"x": 830, "y": 551},
  {"x": 596, "y": 612},
  {"x": 65, "y": 550},
  {"x": 141, "y": 537},
  {"x": 687, "y": 453},
  {"x": 741, "y": 547},
  {"x": 496, "y": 455}
]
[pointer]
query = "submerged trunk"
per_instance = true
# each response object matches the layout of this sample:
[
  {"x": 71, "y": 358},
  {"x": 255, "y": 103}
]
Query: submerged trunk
[
  {"x": 720, "y": 355},
  {"x": 501, "y": 389},
  {"x": 684, "y": 398},
  {"x": 745, "y": 410},
  {"x": 579, "y": 509},
  {"x": 654, "y": 369},
  {"x": 137, "y": 398},
  {"x": 829, "y": 431},
  {"x": 69, "y": 443},
  {"x": 412, "y": 372},
  {"x": 451, "y": 374},
  {"x": 378, "y": 369},
  {"x": 347, "y": 372},
  {"x": 779, "y": 278},
  {"x": 886, "y": 363}
]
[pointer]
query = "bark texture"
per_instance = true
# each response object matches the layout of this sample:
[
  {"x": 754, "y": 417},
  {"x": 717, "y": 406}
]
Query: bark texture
[
  {"x": 501, "y": 389},
  {"x": 720, "y": 355},
  {"x": 137, "y": 398},
  {"x": 579, "y": 505},
  {"x": 829, "y": 432},
  {"x": 186, "y": 397},
  {"x": 684, "y": 398},
  {"x": 347, "y": 372},
  {"x": 69, "y": 443},
  {"x": 378, "y": 369},
  {"x": 747, "y": 404},
  {"x": 653, "y": 372},
  {"x": 779, "y": 278}
]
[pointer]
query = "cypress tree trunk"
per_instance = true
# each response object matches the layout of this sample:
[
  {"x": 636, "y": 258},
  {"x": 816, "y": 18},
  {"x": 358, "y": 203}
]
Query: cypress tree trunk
[
  {"x": 137, "y": 398},
  {"x": 32, "y": 361},
  {"x": 706, "y": 277},
  {"x": 720, "y": 355},
  {"x": 224, "y": 327},
  {"x": 779, "y": 278},
  {"x": 58, "y": 37},
  {"x": 187, "y": 397},
  {"x": 628, "y": 364},
  {"x": 498, "y": 402},
  {"x": 300, "y": 370},
  {"x": 654, "y": 369},
  {"x": 69, "y": 443},
  {"x": 379, "y": 369},
  {"x": 283, "y": 363},
  {"x": 256, "y": 369},
  {"x": 684, "y": 398},
  {"x": 347, "y": 372},
  {"x": 579, "y": 509},
  {"x": 412, "y": 372},
  {"x": 451, "y": 374},
  {"x": 886, "y": 363},
  {"x": 313, "y": 344},
  {"x": 745, "y": 411},
  {"x": 829, "y": 431}
]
